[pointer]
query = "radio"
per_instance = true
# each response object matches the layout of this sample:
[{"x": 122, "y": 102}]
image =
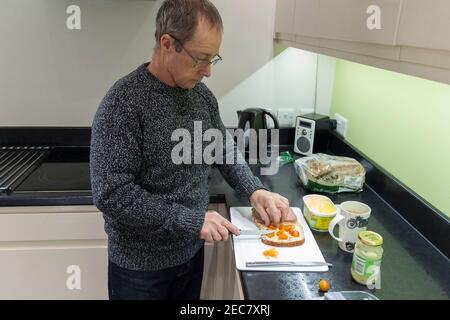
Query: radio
[{"x": 312, "y": 132}]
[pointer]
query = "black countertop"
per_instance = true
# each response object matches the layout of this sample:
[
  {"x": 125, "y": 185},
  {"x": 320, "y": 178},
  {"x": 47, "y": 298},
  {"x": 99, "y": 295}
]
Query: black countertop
[{"x": 412, "y": 268}]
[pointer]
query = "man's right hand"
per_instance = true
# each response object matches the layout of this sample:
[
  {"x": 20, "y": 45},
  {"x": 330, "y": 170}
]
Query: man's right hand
[{"x": 216, "y": 227}]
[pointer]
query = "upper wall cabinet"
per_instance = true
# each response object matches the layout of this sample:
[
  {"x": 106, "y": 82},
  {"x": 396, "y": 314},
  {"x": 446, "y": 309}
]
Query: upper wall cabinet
[
  {"x": 306, "y": 17},
  {"x": 425, "y": 24},
  {"x": 359, "y": 20},
  {"x": 407, "y": 36},
  {"x": 296, "y": 17},
  {"x": 284, "y": 17}
]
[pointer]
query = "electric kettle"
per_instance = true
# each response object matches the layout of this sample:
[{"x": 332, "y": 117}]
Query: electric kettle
[{"x": 256, "y": 118}]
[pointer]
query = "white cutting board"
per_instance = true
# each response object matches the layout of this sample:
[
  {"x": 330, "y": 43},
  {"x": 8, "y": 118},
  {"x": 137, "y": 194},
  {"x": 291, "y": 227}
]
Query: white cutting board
[{"x": 251, "y": 248}]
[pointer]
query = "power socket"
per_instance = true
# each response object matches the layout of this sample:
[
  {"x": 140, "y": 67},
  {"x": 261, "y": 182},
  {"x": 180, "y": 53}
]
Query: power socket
[
  {"x": 341, "y": 125},
  {"x": 286, "y": 117}
]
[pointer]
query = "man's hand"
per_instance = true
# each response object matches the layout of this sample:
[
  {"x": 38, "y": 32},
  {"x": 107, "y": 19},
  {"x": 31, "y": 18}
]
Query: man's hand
[
  {"x": 272, "y": 207},
  {"x": 216, "y": 227}
]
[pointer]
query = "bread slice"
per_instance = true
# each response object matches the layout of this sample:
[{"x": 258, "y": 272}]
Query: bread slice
[
  {"x": 285, "y": 235},
  {"x": 291, "y": 217}
]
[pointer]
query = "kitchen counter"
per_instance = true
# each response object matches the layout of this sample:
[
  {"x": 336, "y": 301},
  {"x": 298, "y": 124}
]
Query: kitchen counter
[{"x": 412, "y": 267}]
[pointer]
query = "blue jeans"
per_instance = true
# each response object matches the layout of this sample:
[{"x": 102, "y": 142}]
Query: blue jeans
[{"x": 181, "y": 282}]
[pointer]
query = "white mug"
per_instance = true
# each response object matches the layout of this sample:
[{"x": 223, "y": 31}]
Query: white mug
[{"x": 352, "y": 218}]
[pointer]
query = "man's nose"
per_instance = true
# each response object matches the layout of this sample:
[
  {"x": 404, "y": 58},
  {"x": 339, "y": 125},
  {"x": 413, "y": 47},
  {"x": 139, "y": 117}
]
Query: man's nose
[{"x": 206, "y": 71}]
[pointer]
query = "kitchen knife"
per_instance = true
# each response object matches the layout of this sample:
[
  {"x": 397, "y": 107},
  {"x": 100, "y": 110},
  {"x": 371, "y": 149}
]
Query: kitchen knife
[
  {"x": 254, "y": 232},
  {"x": 287, "y": 264}
]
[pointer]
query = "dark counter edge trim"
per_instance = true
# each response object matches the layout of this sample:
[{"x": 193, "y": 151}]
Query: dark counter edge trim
[
  {"x": 72, "y": 199},
  {"x": 45, "y": 136},
  {"x": 75, "y": 136},
  {"x": 420, "y": 214}
]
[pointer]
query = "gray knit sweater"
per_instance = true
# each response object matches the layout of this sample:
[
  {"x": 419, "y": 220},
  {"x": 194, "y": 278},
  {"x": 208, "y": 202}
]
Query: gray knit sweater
[{"x": 153, "y": 208}]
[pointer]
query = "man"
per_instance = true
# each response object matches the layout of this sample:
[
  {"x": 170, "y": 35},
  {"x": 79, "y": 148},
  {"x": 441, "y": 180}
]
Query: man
[{"x": 155, "y": 211}]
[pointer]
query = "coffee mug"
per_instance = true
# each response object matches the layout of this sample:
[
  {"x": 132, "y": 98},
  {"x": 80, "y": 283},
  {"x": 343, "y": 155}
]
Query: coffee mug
[{"x": 352, "y": 218}]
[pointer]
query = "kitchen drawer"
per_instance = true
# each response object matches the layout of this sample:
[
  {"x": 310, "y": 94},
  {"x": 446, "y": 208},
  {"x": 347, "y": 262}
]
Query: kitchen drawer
[
  {"x": 45, "y": 270},
  {"x": 51, "y": 223}
]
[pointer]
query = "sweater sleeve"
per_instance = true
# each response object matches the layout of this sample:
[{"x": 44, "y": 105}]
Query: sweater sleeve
[{"x": 115, "y": 162}]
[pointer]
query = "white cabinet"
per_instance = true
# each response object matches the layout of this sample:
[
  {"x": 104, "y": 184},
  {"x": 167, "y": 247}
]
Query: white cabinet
[
  {"x": 52, "y": 253},
  {"x": 348, "y": 20},
  {"x": 60, "y": 252},
  {"x": 425, "y": 24},
  {"x": 306, "y": 18},
  {"x": 220, "y": 277},
  {"x": 74, "y": 270},
  {"x": 284, "y": 16},
  {"x": 406, "y": 36}
]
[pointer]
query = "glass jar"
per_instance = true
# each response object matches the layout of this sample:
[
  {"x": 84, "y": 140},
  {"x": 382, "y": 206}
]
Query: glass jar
[{"x": 367, "y": 257}]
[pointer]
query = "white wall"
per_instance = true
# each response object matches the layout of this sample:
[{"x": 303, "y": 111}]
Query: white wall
[
  {"x": 52, "y": 76},
  {"x": 325, "y": 82},
  {"x": 287, "y": 81}
]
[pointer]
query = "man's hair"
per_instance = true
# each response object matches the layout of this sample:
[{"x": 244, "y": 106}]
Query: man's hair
[{"x": 179, "y": 18}]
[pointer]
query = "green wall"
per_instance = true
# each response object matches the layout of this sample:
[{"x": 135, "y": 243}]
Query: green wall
[
  {"x": 278, "y": 48},
  {"x": 400, "y": 122}
]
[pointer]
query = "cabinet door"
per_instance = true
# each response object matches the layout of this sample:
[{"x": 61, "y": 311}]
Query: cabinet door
[
  {"x": 306, "y": 18},
  {"x": 220, "y": 279},
  {"x": 52, "y": 252},
  {"x": 284, "y": 16},
  {"x": 54, "y": 270},
  {"x": 347, "y": 20},
  {"x": 425, "y": 24}
]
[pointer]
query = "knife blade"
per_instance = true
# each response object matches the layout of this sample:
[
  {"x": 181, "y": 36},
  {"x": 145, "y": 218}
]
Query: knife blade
[
  {"x": 287, "y": 264},
  {"x": 254, "y": 232}
]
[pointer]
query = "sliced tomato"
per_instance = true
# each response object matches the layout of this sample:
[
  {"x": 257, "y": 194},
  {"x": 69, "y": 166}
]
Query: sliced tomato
[
  {"x": 283, "y": 236},
  {"x": 289, "y": 227},
  {"x": 294, "y": 233}
]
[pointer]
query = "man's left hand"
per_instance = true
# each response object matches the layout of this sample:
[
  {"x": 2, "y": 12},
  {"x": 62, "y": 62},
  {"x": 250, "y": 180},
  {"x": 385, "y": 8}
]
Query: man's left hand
[{"x": 272, "y": 207}]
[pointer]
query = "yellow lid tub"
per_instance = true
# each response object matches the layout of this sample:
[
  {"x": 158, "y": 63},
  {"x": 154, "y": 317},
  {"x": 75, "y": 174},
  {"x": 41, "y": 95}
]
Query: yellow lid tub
[{"x": 319, "y": 211}]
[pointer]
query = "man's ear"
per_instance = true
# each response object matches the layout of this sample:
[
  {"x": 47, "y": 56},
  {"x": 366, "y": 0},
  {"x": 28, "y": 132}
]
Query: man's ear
[{"x": 165, "y": 42}]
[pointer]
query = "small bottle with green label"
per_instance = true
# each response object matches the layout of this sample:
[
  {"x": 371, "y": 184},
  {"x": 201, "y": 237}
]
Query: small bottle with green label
[{"x": 367, "y": 257}]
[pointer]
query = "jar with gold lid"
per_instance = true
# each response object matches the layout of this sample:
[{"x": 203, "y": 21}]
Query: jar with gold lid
[{"x": 367, "y": 258}]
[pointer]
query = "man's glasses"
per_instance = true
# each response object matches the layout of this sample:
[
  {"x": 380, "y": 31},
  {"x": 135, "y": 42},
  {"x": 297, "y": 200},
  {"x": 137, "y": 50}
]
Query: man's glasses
[{"x": 199, "y": 63}]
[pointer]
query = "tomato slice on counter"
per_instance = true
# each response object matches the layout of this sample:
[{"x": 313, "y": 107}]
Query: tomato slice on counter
[{"x": 271, "y": 253}]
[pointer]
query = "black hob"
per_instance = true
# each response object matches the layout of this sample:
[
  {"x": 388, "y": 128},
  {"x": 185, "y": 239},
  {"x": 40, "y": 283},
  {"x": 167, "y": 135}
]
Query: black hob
[
  {"x": 63, "y": 169},
  {"x": 58, "y": 176}
]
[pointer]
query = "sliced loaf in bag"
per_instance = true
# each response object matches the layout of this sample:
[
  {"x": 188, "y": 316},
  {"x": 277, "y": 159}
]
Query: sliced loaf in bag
[{"x": 332, "y": 174}]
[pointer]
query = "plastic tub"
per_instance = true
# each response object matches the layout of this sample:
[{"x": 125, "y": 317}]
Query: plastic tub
[{"x": 319, "y": 211}]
